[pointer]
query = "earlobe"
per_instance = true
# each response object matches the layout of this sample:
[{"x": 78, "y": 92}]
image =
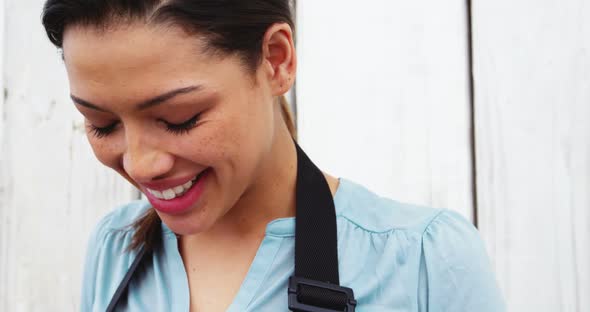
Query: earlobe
[{"x": 279, "y": 54}]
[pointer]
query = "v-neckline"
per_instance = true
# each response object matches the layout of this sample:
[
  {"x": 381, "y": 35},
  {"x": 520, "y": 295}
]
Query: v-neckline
[{"x": 276, "y": 231}]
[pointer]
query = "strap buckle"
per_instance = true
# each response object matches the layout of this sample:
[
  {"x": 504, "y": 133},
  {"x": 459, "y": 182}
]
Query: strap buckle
[{"x": 343, "y": 296}]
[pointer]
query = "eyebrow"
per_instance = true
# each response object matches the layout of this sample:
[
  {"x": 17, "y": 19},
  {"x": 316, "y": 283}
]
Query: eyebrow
[{"x": 142, "y": 105}]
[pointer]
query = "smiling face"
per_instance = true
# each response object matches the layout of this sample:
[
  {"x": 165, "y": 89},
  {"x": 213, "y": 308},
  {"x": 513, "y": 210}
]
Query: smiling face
[{"x": 193, "y": 130}]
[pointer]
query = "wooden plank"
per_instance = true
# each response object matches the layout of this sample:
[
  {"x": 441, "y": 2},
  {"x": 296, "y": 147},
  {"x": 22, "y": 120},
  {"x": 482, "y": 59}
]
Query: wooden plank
[
  {"x": 55, "y": 190},
  {"x": 3, "y": 166},
  {"x": 532, "y": 96},
  {"x": 383, "y": 96}
]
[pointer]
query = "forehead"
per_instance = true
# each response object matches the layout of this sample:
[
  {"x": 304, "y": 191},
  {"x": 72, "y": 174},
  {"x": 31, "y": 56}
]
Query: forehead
[
  {"x": 128, "y": 45},
  {"x": 134, "y": 58}
]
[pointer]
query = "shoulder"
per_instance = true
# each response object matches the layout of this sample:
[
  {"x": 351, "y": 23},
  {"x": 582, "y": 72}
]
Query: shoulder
[
  {"x": 106, "y": 257},
  {"x": 121, "y": 218},
  {"x": 453, "y": 269},
  {"x": 114, "y": 230},
  {"x": 124, "y": 215},
  {"x": 456, "y": 272},
  {"x": 375, "y": 213},
  {"x": 441, "y": 233}
]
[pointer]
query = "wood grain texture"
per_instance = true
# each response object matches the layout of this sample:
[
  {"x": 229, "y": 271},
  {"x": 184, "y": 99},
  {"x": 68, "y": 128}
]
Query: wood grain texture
[
  {"x": 3, "y": 163},
  {"x": 54, "y": 190},
  {"x": 532, "y": 100},
  {"x": 383, "y": 96}
]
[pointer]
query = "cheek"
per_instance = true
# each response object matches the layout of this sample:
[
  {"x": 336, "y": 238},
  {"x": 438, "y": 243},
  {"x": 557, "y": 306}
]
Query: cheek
[
  {"x": 105, "y": 150},
  {"x": 229, "y": 144},
  {"x": 210, "y": 144}
]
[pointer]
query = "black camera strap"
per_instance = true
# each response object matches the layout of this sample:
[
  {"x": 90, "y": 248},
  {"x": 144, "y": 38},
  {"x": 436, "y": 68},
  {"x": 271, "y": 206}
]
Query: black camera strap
[{"x": 315, "y": 286}]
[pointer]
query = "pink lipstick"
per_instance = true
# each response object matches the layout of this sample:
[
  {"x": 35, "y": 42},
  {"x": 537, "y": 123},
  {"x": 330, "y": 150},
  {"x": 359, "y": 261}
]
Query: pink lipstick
[{"x": 176, "y": 196}]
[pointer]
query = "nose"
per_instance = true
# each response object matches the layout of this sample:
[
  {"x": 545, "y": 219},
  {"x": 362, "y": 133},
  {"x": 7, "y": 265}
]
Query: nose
[{"x": 144, "y": 161}]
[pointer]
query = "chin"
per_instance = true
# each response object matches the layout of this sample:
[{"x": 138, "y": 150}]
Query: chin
[{"x": 194, "y": 223}]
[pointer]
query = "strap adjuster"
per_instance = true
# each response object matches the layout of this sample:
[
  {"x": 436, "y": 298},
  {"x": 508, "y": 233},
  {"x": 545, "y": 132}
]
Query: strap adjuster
[{"x": 299, "y": 302}]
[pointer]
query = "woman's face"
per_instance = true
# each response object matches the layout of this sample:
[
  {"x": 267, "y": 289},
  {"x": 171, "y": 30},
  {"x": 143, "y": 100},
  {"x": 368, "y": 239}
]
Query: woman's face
[{"x": 190, "y": 129}]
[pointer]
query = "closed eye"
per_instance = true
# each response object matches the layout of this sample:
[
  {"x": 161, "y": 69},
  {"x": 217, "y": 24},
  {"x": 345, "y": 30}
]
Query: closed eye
[
  {"x": 184, "y": 127},
  {"x": 101, "y": 132},
  {"x": 181, "y": 128}
]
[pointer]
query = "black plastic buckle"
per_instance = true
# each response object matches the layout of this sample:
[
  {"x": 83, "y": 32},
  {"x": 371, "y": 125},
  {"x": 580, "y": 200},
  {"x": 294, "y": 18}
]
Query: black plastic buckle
[{"x": 296, "y": 305}]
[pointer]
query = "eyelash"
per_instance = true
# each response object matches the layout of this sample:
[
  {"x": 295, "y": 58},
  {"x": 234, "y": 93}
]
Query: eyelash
[
  {"x": 177, "y": 129},
  {"x": 101, "y": 132}
]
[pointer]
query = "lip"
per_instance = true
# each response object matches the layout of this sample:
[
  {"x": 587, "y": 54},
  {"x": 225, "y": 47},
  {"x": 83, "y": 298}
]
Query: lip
[{"x": 181, "y": 204}]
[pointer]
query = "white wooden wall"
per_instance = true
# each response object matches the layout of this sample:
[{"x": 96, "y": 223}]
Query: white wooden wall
[
  {"x": 532, "y": 82},
  {"x": 383, "y": 98},
  {"x": 52, "y": 190}
]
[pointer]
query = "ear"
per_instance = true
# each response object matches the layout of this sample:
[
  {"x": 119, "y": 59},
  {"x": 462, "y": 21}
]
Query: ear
[{"x": 278, "y": 58}]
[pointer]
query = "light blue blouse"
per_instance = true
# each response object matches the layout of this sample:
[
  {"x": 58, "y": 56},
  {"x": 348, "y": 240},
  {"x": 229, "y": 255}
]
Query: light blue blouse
[{"x": 396, "y": 257}]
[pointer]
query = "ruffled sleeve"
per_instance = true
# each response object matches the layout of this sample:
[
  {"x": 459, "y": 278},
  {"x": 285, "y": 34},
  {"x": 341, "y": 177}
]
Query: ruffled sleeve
[{"x": 455, "y": 272}]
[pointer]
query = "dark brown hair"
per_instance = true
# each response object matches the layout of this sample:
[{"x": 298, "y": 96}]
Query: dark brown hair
[{"x": 229, "y": 26}]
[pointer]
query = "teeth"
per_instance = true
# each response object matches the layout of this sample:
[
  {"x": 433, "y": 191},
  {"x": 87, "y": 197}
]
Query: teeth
[
  {"x": 169, "y": 194},
  {"x": 179, "y": 189},
  {"x": 156, "y": 193},
  {"x": 174, "y": 192}
]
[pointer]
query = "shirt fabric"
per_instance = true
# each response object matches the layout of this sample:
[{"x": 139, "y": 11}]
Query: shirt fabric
[{"x": 395, "y": 256}]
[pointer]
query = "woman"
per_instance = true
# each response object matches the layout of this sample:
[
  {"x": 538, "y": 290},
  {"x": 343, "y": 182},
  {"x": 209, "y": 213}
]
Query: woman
[{"x": 185, "y": 99}]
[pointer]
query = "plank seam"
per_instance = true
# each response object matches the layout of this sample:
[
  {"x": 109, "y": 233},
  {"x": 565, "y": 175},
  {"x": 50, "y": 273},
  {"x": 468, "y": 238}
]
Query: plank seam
[{"x": 472, "y": 134}]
